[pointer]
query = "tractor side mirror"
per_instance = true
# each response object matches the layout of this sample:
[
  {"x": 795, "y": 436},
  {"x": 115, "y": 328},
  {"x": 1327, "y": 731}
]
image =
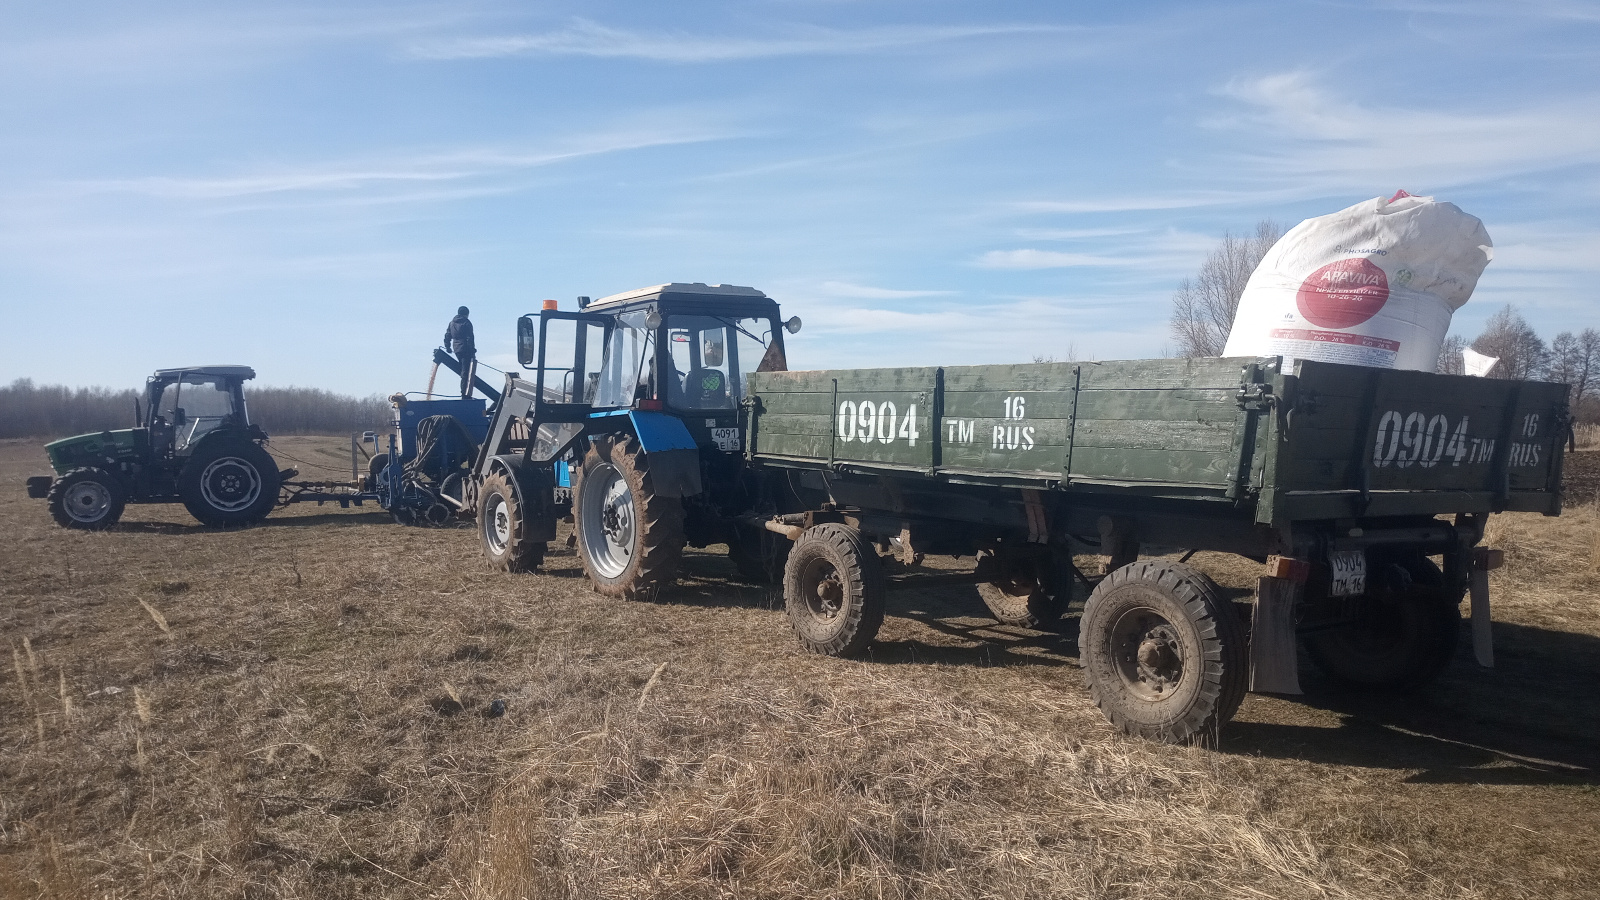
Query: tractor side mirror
[
  {"x": 793, "y": 325},
  {"x": 527, "y": 341}
]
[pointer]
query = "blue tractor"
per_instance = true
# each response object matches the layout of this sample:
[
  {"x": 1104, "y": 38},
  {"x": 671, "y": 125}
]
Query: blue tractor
[{"x": 630, "y": 421}]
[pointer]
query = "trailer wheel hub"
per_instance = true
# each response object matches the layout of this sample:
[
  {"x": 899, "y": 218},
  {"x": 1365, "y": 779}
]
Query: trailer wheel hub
[
  {"x": 1148, "y": 654},
  {"x": 829, "y": 593}
]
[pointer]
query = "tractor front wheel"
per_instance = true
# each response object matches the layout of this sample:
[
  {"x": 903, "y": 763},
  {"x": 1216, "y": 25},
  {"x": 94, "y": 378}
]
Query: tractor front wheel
[
  {"x": 229, "y": 483},
  {"x": 630, "y": 537},
  {"x": 502, "y": 528},
  {"x": 89, "y": 499}
]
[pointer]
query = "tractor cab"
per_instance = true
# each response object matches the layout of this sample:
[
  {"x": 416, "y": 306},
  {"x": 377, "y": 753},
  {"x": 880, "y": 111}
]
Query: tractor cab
[
  {"x": 685, "y": 350},
  {"x": 182, "y": 406}
]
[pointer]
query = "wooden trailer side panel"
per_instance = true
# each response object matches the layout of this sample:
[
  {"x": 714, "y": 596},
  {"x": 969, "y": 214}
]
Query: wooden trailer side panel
[
  {"x": 1359, "y": 437},
  {"x": 1142, "y": 422},
  {"x": 1160, "y": 421},
  {"x": 1014, "y": 418}
]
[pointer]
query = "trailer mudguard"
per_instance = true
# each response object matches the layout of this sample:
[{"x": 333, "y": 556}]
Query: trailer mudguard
[
  {"x": 673, "y": 456},
  {"x": 535, "y": 488}
]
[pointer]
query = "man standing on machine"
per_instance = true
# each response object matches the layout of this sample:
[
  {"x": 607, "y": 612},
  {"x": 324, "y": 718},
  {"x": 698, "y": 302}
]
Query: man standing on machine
[{"x": 458, "y": 340}]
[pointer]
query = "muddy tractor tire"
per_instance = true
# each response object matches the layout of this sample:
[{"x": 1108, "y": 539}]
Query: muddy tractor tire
[
  {"x": 833, "y": 590},
  {"x": 88, "y": 499},
  {"x": 229, "y": 483},
  {"x": 629, "y": 537},
  {"x": 1164, "y": 653},
  {"x": 1017, "y": 590},
  {"x": 503, "y": 528},
  {"x": 1404, "y": 636}
]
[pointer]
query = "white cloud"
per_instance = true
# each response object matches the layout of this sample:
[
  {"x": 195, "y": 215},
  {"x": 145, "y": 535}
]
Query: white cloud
[
  {"x": 1327, "y": 143},
  {"x": 1138, "y": 203},
  {"x": 1043, "y": 259},
  {"x": 1074, "y": 234},
  {"x": 845, "y": 289},
  {"x": 585, "y": 38},
  {"x": 422, "y": 168}
]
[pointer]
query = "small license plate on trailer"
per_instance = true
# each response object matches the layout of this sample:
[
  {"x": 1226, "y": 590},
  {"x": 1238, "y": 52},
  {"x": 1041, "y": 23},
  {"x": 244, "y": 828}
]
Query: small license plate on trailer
[
  {"x": 1349, "y": 572},
  {"x": 726, "y": 438}
]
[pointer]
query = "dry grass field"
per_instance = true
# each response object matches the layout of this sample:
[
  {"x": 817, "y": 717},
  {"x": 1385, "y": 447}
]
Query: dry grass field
[{"x": 302, "y": 709}]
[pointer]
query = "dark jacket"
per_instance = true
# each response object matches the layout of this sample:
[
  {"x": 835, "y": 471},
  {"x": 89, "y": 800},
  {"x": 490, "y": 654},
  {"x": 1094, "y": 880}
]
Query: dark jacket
[{"x": 458, "y": 337}]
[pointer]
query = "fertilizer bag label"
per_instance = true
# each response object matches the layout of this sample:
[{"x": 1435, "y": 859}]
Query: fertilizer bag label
[{"x": 1373, "y": 285}]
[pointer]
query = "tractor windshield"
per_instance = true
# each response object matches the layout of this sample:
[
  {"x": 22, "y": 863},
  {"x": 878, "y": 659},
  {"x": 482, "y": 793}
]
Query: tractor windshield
[
  {"x": 712, "y": 356},
  {"x": 194, "y": 406},
  {"x": 627, "y": 365}
]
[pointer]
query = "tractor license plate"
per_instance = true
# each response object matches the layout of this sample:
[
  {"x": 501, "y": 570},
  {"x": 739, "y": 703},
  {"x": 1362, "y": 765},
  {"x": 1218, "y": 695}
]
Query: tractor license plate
[
  {"x": 726, "y": 438},
  {"x": 1349, "y": 572}
]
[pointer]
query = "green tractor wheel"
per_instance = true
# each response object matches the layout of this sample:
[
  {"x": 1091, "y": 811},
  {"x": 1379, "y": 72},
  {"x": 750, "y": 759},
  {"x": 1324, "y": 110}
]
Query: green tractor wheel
[
  {"x": 229, "y": 483},
  {"x": 89, "y": 499}
]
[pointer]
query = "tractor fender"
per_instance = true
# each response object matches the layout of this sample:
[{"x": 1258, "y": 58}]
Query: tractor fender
[
  {"x": 534, "y": 484},
  {"x": 670, "y": 450}
]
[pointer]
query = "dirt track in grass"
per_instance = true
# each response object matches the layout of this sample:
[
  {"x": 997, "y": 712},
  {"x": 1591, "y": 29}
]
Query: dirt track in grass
[{"x": 299, "y": 710}]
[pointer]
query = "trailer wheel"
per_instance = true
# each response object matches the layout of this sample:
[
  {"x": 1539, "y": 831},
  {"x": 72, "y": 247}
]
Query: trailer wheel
[
  {"x": 229, "y": 483},
  {"x": 1017, "y": 592},
  {"x": 833, "y": 590},
  {"x": 88, "y": 499},
  {"x": 1165, "y": 653},
  {"x": 759, "y": 555},
  {"x": 629, "y": 537},
  {"x": 1404, "y": 636},
  {"x": 502, "y": 529}
]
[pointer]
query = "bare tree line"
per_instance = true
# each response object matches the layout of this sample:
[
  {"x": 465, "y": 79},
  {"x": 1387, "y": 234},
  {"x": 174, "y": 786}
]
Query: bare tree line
[
  {"x": 54, "y": 410},
  {"x": 1203, "y": 310}
]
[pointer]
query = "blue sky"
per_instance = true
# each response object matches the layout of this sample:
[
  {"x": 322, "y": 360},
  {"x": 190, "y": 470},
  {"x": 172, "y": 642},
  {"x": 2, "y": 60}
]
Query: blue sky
[{"x": 312, "y": 190}]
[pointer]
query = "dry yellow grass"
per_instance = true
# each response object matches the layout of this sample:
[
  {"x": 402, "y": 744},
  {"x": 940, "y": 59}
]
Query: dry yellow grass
[{"x": 311, "y": 722}]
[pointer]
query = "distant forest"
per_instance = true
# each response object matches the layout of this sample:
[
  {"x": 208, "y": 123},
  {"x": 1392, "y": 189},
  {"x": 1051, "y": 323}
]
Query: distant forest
[{"x": 53, "y": 410}]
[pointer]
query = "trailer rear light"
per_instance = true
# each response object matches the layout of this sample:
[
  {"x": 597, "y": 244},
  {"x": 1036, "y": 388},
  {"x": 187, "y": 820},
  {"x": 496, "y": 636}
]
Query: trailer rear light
[{"x": 656, "y": 405}]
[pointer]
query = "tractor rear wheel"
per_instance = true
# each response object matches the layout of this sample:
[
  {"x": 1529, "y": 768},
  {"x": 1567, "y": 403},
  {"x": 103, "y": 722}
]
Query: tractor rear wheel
[
  {"x": 1164, "y": 653},
  {"x": 833, "y": 590},
  {"x": 228, "y": 483},
  {"x": 503, "y": 529},
  {"x": 630, "y": 537},
  {"x": 89, "y": 499}
]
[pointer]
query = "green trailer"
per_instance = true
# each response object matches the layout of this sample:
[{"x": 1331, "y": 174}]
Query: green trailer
[{"x": 1346, "y": 483}]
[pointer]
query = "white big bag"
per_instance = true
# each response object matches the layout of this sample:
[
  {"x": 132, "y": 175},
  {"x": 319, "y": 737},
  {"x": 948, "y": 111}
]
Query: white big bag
[{"x": 1372, "y": 285}]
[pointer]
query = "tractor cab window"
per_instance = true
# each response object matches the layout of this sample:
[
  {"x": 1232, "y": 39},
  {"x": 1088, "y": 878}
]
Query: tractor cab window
[
  {"x": 194, "y": 406},
  {"x": 711, "y": 356},
  {"x": 628, "y": 369}
]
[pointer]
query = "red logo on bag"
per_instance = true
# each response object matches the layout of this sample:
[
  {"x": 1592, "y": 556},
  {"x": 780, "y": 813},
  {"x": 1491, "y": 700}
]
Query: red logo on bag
[{"x": 1343, "y": 293}]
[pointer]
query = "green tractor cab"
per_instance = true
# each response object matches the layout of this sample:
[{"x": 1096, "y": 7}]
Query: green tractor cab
[{"x": 194, "y": 444}]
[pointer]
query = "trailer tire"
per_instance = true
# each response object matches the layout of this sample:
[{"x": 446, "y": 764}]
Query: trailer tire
[
  {"x": 833, "y": 590},
  {"x": 228, "y": 483},
  {"x": 502, "y": 528},
  {"x": 1164, "y": 653},
  {"x": 1017, "y": 592},
  {"x": 759, "y": 555},
  {"x": 87, "y": 499},
  {"x": 1401, "y": 644},
  {"x": 629, "y": 537}
]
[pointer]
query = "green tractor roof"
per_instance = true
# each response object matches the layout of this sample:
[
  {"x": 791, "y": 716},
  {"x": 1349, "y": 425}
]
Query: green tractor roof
[{"x": 242, "y": 372}]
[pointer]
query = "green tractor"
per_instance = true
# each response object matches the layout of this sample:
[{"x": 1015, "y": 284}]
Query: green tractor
[{"x": 194, "y": 444}]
